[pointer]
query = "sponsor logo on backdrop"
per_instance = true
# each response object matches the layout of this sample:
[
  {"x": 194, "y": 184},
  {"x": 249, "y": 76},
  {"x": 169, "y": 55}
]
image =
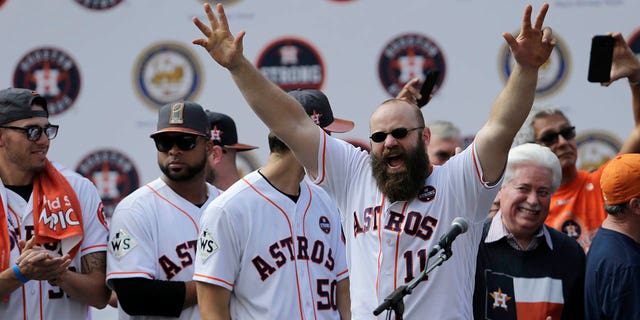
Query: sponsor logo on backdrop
[
  {"x": 113, "y": 174},
  {"x": 553, "y": 73},
  {"x": 634, "y": 43},
  {"x": 99, "y": 4},
  {"x": 53, "y": 73},
  {"x": 167, "y": 72},
  {"x": 406, "y": 57},
  {"x": 595, "y": 148},
  {"x": 246, "y": 162},
  {"x": 292, "y": 63}
]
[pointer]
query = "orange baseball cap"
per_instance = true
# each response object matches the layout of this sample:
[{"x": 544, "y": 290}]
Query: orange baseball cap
[{"x": 620, "y": 180}]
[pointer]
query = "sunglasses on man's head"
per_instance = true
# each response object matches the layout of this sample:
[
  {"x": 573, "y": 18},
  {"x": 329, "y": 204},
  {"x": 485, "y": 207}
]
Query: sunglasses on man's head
[
  {"x": 186, "y": 142},
  {"x": 551, "y": 137},
  {"x": 397, "y": 133},
  {"x": 34, "y": 132}
]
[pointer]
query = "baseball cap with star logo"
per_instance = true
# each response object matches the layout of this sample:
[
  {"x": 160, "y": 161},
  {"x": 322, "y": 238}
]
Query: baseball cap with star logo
[
  {"x": 317, "y": 106},
  {"x": 223, "y": 131}
]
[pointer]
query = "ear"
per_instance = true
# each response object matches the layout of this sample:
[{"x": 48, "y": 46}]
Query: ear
[
  {"x": 426, "y": 136},
  {"x": 634, "y": 205},
  {"x": 216, "y": 153}
]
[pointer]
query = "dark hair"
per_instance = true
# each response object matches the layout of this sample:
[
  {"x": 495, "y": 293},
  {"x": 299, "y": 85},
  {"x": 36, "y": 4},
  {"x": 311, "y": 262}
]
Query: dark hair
[
  {"x": 276, "y": 145},
  {"x": 615, "y": 209}
]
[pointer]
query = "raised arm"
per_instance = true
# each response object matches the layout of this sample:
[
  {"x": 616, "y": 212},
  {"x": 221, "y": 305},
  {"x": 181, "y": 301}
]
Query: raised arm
[
  {"x": 280, "y": 112},
  {"x": 530, "y": 49},
  {"x": 626, "y": 65}
]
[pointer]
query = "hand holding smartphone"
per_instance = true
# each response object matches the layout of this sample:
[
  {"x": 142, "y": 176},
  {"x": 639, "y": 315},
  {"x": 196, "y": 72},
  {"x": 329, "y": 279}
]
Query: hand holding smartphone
[
  {"x": 601, "y": 58},
  {"x": 427, "y": 87}
]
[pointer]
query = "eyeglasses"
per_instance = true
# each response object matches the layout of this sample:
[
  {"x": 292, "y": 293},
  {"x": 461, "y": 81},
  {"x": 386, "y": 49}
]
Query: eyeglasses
[
  {"x": 34, "y": 132},
  {"x": 184, "y": 142},
  {"x": 551, "y": 138},
  {"x": 397, "y": 133}
]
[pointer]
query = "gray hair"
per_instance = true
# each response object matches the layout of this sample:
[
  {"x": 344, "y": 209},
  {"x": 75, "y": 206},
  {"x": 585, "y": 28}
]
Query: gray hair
[
  {"x": 444, "y": 129},
  {"x": 526, "y": 134},
  {"x": 531, "y": 153}
]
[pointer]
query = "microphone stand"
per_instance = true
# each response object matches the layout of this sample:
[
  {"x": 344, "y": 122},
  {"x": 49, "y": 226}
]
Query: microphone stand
[{"x": 394, "y": 301}]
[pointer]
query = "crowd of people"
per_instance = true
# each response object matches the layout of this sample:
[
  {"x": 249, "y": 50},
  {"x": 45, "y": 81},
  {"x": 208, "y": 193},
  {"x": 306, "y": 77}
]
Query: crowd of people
[{"x": 324, "y": 230}]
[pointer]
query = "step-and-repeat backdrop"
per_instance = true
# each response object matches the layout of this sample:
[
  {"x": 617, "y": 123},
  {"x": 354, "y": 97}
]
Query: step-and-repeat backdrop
[{"x": 106, "y": 66}]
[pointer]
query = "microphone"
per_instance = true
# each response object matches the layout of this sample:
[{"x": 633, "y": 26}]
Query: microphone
[{"x": 458, "y": 227}]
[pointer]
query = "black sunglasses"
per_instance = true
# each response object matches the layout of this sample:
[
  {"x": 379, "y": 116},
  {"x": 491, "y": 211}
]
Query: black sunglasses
[
  {"x": 397, "y": 133},
  {"x": 550, "y": 138},
  {"x": 34, "y": 132},
  {"x": 185, "y": 142}
]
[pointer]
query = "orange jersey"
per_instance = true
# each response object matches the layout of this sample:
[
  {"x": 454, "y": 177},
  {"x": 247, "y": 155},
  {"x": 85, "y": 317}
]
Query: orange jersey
[{"x": 577, "y": 208}]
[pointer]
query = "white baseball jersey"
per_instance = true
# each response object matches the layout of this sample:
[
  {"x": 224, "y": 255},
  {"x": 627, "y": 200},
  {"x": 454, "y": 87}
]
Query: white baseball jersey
[
  {"x": 153, "y": 235},
  {"x": 280, "y": 259},
  {"x": 388, "y": 243},
  {"x": 38, "y": 299}
]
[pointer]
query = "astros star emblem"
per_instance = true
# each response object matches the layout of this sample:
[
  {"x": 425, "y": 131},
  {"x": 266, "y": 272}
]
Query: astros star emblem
[
  {"x": 499, "y": 299},
  {"x": 216, "y": 134}
]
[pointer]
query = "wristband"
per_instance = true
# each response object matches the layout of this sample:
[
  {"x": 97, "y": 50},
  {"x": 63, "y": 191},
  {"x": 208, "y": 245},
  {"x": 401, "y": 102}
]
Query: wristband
[{"x": 19, "y": 275}]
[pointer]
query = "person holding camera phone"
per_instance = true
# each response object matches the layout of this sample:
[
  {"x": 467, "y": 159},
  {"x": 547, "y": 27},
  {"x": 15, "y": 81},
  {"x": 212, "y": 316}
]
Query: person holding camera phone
[{"x": 577, "y": 207}]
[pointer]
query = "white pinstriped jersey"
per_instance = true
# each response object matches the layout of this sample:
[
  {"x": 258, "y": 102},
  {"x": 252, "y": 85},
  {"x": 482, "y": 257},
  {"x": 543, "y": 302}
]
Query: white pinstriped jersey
[
  {"x": 153, "y": 235},
  {"x": 38, "y": 299},
  {"x": 387, "y": 243},
  {"x": 281, "y": 259}
]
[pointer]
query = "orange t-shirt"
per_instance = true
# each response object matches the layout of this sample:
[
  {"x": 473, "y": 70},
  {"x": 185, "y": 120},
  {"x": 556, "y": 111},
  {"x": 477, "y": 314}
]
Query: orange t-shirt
[{"x": 577, "y": 208}]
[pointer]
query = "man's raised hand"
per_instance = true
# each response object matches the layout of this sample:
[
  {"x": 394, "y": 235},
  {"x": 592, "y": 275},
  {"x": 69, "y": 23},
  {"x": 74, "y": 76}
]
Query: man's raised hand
[
  {"x": 223, "y": 47},
  {"x": 534, "y": 44}
]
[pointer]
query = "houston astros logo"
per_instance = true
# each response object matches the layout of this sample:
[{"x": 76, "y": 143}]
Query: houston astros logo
[
  {"x": 595, "y": 148},
  {"x": 167, "y": 72},
  {"x": 499, "y": 299},
  {"x": 113, "y": 174},
  {"x": 292, "y": 63},
  {"x": 98, "y": 4},
  {"x": 216, "y": 134},
  {"x": 634, "y": 43},
  {"x": 324, "y": 224},
  {"x": 571, "y": 228},
  {"x": 552, "y": 74},
  {"x": 427, "y": 194},
  {"x": 406, "y": 57},
  {"x": 52, "y": 73}
]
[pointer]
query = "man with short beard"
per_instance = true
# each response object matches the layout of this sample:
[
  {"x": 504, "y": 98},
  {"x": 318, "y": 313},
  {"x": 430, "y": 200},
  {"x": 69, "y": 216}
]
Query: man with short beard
[
  {"x": 154, "y": 230},
  {"x": 389, "y": 229}
]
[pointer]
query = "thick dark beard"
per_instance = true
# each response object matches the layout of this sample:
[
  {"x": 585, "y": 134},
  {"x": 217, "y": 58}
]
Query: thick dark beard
[
  {"x": 403, "y": 185},
  {"x": 188, "y": 174}
]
